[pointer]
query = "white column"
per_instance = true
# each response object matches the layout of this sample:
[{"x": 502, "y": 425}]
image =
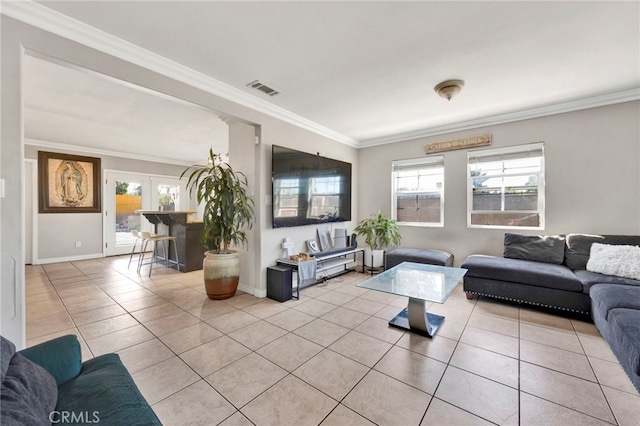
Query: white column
[
  {"x": 12, "y": 322},
  {"x": 243, "y": 157}
]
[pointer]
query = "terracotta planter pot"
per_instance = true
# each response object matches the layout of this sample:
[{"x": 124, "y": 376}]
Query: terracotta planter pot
[{"x": 221, "y": 274}]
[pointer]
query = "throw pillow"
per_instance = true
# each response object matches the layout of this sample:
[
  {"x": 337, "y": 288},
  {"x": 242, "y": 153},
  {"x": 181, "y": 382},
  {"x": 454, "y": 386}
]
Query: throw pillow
[
  {"x": 539, "y": 248},
  {"x": 578, "y": 249},
  {"x": 28, "y": 394},
  {"x": 619, "y": 261}
]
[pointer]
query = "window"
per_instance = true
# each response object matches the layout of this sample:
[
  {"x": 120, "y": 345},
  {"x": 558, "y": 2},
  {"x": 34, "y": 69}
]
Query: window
[
  {"x": 324, "y": 196},
  {"x": 286, "y": 197},
  {"x": 506, "y": 187},
  {"x": 168, "y": 197},
  {"x": 418, "y": 191}
]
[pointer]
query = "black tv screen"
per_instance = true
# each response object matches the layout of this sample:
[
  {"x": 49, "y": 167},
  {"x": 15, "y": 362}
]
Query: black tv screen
[{"x": 309, "y": 189}]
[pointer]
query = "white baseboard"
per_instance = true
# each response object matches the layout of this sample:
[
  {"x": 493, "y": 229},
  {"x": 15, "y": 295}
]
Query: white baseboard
[
  {"x": 243, "y": 287},
  {"x": 67, "y": 258},
  {"x": 252, "y": 290}
]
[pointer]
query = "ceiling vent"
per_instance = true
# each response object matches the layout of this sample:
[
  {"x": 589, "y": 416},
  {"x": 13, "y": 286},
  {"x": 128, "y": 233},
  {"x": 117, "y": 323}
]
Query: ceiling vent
[{"x": 263, "y": 88}]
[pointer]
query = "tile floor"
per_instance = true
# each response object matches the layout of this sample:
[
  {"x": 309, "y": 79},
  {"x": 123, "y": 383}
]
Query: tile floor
[{"x": 329, "y": 358}]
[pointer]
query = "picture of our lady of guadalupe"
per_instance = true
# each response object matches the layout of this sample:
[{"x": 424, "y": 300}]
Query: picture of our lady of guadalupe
[
  {"x": 68, "y": 183},
  {"x": 72, "y": 183}
]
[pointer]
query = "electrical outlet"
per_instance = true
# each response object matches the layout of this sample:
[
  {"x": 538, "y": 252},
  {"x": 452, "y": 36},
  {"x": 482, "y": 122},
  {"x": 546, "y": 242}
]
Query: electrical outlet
[{"x": 78, "y": 244}]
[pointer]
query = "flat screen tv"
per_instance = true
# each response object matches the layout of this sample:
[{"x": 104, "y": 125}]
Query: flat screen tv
[{"x": 308, "y": 188}]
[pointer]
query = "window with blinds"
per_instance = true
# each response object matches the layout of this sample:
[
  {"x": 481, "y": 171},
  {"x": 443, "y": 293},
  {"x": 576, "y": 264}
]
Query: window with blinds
[
  {"x": 506, "y": 187},
  {"x": 418, "y": 191}
]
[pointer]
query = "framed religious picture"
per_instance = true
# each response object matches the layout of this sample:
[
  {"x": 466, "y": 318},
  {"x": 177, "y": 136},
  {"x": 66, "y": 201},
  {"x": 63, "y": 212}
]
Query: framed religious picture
[{"x": 68, "y": 183}]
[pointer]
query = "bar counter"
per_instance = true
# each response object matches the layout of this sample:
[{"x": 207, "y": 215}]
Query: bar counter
[{"x": 182, "y": 225}]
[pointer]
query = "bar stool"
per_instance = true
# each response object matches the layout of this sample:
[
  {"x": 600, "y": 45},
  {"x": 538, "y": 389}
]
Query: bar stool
[
  {"x": 136, "y": 234},
  {"x": 155, "y": 239}
]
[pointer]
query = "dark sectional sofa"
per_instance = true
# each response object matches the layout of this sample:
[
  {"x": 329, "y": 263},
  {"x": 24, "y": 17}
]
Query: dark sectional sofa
[
  {"x": 552, "y": 272},
  {"x": 616, "y": 313}
]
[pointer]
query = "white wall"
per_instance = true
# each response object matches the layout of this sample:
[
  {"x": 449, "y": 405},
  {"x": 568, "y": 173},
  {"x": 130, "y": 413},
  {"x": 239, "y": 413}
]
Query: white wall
[
  {"x": 58, "y": 232},
  {"x": 296, "y": 138},
  {"x": 12, "y": 316},
  {"x": 592, "y": 178},
  {"x": 242, "y": 158}
]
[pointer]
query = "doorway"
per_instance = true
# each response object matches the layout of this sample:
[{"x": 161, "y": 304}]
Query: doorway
[{"x": 128, "y": 192}]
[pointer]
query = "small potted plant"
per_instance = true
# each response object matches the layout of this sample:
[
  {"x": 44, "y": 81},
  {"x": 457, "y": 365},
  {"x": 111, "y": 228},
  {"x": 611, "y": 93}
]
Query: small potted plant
[
  {"x": 228, "y": 212},
  {"x": 379, "y": 232}
]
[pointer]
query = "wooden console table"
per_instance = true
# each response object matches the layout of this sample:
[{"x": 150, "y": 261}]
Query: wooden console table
[{"x": 180, "y": 224}]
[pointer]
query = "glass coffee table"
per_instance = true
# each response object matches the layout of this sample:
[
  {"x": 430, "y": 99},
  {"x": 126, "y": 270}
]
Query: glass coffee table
[{"x": 420, "y": 283}]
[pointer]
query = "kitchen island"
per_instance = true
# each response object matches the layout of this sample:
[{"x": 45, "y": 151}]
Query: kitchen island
[{"x": 182, "y": 225}]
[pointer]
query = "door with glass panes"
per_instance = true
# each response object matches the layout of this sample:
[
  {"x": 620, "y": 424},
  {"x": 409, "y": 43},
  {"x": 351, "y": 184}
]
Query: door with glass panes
[{"x": 125, "y": 194}]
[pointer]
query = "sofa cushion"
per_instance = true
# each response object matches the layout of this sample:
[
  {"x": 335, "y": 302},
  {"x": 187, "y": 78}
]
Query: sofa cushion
[
  {"x": 625, "y": 331},
  {"x": 574, "y": 301},
  {"x": 7, "y": 349},
  {"x": 617, "y": 260},
  {"x": 605, "y": 297},
  {"x": 578, "y": 247},
  {"x": 61, "y": 357},
  {"x": 589, "y": 279},
  {"x": 104, "y": 390},
  {"x": 28, "y": 394},
  {"x": 538, "y": 248},
  {"x": 405, "y": 254},
  {"x": 522, "y": 271}
]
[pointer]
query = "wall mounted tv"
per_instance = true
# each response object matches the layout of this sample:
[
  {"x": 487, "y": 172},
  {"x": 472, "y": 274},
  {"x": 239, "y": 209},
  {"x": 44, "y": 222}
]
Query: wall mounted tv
[{"x": 309, "y": 189}]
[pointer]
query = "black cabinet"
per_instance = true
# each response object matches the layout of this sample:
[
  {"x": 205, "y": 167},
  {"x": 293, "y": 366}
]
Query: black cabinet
[{"x": 279, "y": 283}]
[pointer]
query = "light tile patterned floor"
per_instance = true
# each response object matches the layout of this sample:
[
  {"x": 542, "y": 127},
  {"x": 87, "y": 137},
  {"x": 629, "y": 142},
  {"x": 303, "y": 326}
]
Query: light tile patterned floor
[{"x": 329, "y": 358}]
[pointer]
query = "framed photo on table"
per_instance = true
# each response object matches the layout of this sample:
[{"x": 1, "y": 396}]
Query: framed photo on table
[
  {"x": 68, "y": 183},
  {"x": 324, "y": 237}
]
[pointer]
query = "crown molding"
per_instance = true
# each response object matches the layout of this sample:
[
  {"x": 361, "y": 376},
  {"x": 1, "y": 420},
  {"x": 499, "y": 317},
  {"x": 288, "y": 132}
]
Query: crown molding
[
  {"x": 49, "y": 20},
  {"x": 576, "y": 105},
  {"x": 84, "y": 150},
  {"x": 54, "y": 22}
]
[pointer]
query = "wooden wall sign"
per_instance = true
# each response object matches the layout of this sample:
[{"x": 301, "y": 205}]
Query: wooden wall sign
[{"x": 462, "y": 143}]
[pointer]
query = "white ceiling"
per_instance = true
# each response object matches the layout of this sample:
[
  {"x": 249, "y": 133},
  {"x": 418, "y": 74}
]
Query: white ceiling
[
  {"x": 366, "y": 70},
  {"x": 75, "y": 107}
]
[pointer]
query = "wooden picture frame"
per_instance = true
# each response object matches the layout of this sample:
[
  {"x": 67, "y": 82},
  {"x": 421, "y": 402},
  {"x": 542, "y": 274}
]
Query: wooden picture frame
[{"x": 68, "y": 183}]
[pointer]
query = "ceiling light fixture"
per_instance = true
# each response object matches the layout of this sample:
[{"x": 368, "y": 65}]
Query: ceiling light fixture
[{"x": 448, "y": 89}]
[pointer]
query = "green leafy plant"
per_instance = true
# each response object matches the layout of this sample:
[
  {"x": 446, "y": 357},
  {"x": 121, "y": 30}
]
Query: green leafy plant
[
  {"x": 228, "y": 210},
  {"x": 379, "y": 231},
  {"x": 122, "y": 188}
]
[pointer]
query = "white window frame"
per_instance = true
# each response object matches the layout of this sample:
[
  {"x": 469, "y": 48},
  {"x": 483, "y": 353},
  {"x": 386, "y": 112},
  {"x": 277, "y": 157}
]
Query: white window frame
[
  {"x": 428, "y": 162},
  {"x": 278, "y": 197},
  {"x": 321, "y": 196},
  {"x": 512, "y": 151}
]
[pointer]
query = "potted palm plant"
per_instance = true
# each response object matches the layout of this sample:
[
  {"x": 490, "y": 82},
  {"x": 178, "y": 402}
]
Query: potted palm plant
[
  {"x": 379, "y": 232},
  {"x": 228, "y": 213}
]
